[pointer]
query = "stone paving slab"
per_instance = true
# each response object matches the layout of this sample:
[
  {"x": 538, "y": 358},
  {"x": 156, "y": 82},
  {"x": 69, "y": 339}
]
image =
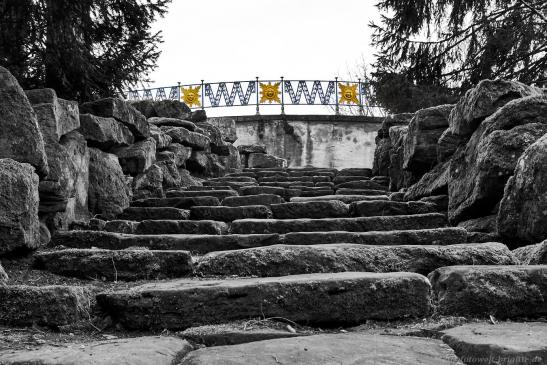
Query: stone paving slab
[
  {"x": 389, "y": 207},
  {"x": 313, "y": 209},
  {"x": 259, "y": 199},
  {"x": 348, "y": 348},
  {"x": 128, "y": 351},
  {"x": 181, "y": 203},
  {"x": 228, "y": 214},
  {"x": 144, "y": 213},
  {"x": 320, "y": 299},
  {"x": 343, "y": 198},
  {"x": 220, "y": 194}
]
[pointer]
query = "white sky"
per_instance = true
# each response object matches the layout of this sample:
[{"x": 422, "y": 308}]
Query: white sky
[{"x": 219, "y": 40}]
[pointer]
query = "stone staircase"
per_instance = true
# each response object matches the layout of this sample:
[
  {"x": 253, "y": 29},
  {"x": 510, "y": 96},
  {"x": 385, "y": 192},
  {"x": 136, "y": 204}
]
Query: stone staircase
[{"x": 314, "y": 246}]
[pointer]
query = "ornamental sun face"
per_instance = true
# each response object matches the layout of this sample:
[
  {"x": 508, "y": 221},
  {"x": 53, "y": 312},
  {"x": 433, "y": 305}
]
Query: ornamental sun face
[
  {"x": 269, "y": 92},
  {"x": 191, "y": 96},
  {"x": 348, "y": 94}
]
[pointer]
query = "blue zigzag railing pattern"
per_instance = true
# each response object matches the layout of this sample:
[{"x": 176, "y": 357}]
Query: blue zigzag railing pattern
[{"x": 257, "y": 92}]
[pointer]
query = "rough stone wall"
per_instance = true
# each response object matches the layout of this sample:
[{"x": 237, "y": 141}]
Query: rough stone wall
[{"x": 317, "y": 141}]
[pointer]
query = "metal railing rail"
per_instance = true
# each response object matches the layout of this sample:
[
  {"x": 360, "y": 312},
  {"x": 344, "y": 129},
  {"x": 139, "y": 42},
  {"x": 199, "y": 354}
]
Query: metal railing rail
[{"x": 258, "y": 92}]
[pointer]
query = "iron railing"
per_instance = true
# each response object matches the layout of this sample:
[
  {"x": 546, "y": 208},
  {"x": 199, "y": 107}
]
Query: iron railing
[{"x": 335, "y": 93}]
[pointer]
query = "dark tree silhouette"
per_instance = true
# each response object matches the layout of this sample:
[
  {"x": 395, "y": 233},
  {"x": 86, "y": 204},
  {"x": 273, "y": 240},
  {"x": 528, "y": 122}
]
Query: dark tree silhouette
[
  {"x": 451, "y": 45},
  {"x": 83, "y": 49}
]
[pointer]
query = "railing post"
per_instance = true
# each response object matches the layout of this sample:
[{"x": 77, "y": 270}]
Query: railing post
[
  {"x": 178, "y": 90},
  {"x": 257, "y": 98},
  {"x": 282, "y": 96},
  {"x": 361, "y": 109},
  {"x": 337, "y": 108},
  {"x": 202, "y": 95}
]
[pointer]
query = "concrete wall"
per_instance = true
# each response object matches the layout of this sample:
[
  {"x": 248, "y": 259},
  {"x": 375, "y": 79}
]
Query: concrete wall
[{"x": 317, "y": 140}]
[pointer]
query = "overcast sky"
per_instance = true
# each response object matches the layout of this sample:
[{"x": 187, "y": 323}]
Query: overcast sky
[{"x": 219, "y": 40}]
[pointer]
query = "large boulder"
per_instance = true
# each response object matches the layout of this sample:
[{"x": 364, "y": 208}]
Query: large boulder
[
  {"x": 227, "y": 127},
  {"x": 381, "y": 162},
  {"x": 172, "y": 122},
  {"x": 479, "y": 170},
  {"x": 104, "y": 133},
  {"x": 3, "y": 276},
  {"x": 447, "y": 144},
  {"x": 532, "y": 254},
  {"x": 398, "y": 178},
  {"x": 187, "y": 138},
  {"x": 420, "y": 144},
  {"x": 138, "y": 157},
  {"x": 522, "y": 216},
  {"x": 121, "y": 111},
  {"x": 232, "y": 160},
  {"x": 180, "y": 153},
  {"x": 109, "y": 194},
  {"x": 484, "y": 100},
  {"x": 149, "y": 184},
  {"x": 20, "y": 136},
  {"x": 162, "y": 108},
  {"x": 19, "y": 224},
  {"x": 69, "y": 177},
  {"x": 162, "y": 140},
  {"x": 56, "y": 116},
  {"x": 435, "y": 182},
  {"x": 264, "y": 161}
]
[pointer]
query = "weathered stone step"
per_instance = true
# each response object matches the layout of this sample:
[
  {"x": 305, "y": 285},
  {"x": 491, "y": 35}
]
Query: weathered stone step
[
  {"x": 355, "y": 172},
  {"x": 188, "y": 242},
  {"x": 144, "y": 213},
  {"x": 324, "y": 184},
  {"x": 361, "y": 184},
  {"x": 318, "y": 209},
  {"x": 343, "y": 198},
  {"x": 318, "y": 192},
  {"x": 286, "y": 194},
  {"x": 345, "y": 179},
  {"x": 330, "y": 174},
  {"x": 282, "y": 260},
  {"x": 289, "y": 184},
  {"x": 203, "y": 188},
  {"x": 296, "y": 178},
  {"x": 436, "y": 236},
  {"x": 259, "y": 199},
  {"x": 54, "y": 305},
  {"x": 172, "y": 227},
  {"x": 270, "y": 173},
  {"x": 515, "y": 343},
  {"x": 181, "y": 203},
  {"x": 160, "y": 350},
  {"x": 116, "y": 265},
  {"x": 236, "y": 185},
  {"x": 361, "y": 224},
  {"x": 388, "y": 207},
  {"x": 228, "y": 214},
  {"x": 323, "y": 299},
  {"x": 347, "y": 348},
  {"x": 501, "y": 291},
  {"x": 232, "y": 179},
  {"x": 369, "y": 192},
  {"x": 220, "y": 194},
  {"x": 242, "y": 174}
]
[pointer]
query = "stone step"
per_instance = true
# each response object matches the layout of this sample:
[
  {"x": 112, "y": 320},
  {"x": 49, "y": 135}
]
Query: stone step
[
  {"x": 286, "y": 194},
  {"x": 297, "y": 178},
  {"x": 144, "y": 213},
  {"x": 361, "y": 184},
  {"x": 259, "y": 199},
  {"x": 330, "y": 174},
  {"x": 355, "y": 172},
  {"x": 228, "y": 214},
  {"x": 241, "y": 174},
  {"x": 318, "y": 209},
  {"x": 361, "y": 224},
  {"x": 288, "y": 184},
  {"x": 157, "y": 350},
  {"x": 232, "y": 179},
  {"x": 318, "y": 192},
  {"x": 435, "y": 236},
  {"x": 348, "y": 191},
  {"x": 189, "y": 242},
  {"x": 515, "y": 343},
  {"x": 345, "y": 179},
  {"x": 346, "y": 348},
  {"x": 204, "y": 188},
  {"x": 270, "y": 173},
  {"x": 500, "y": 291},
  {"x": 236, "y": 185},
  {"x": 52, "y": 305},
  {"x": 343, "y": 198},
  {"x": 220, "y": 194},
  {"x": 319, "y": 299},
  {"x": 282, "y": 260},
  {"x": 388, "y": 207},
  {"x": 181, "y": 203},
  {"x": 113, "y": 265},
  {"x": 325, "y": 184},
  {"x": 172, "y": 227}
]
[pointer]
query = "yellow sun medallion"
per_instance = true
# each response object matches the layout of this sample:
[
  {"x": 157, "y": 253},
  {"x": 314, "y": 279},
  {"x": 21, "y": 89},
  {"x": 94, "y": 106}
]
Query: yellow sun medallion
[
  {"x": 269, "y": 92},
  {"x": 348, "y": 94},
  {"x": 191, "y": 95}
]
